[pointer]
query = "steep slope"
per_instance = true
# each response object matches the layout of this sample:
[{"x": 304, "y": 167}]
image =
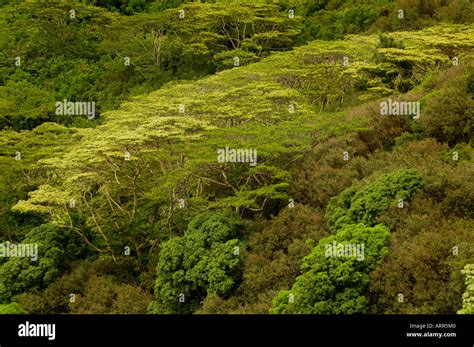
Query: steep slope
[{"x": 153, "y": 165}]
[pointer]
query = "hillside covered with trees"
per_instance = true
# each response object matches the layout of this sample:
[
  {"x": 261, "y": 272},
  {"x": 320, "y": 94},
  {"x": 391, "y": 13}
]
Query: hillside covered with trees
[{"x": 227, "y": 156}]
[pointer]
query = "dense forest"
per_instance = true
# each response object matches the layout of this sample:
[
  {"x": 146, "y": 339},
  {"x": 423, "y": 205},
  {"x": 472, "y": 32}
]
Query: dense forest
[{"x": 237, "y": 157}]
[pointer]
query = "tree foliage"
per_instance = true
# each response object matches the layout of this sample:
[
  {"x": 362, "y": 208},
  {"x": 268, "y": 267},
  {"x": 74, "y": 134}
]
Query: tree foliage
[
  {"x": 354, "y": 206},
  {"x": 135, "y": 207},
  {"x": 334, "y": 285},
  {"x": 204, "y": 261},
  {"x": 468, "y": 298},
  {"x": 12, "y": 308}
]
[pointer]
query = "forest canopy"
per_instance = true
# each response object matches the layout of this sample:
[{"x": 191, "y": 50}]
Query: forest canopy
[{"x": 231, "y": 156}]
